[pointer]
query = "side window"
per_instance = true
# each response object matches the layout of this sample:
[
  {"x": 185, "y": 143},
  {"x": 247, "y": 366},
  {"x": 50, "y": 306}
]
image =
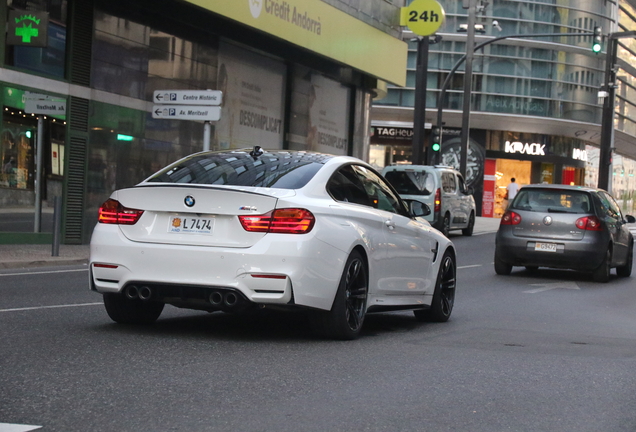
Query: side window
[
  {"x": 462, "y": 185},
  {"x": 346, "y": 186},
  {"x": 448, "y": 182},
  {"x": 610, "y": 207},
  {"x": 380, "y": 193}
]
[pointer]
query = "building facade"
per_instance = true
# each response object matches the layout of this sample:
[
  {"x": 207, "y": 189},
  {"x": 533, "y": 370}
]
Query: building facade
[
  {"x": 535, "y": 107},
  {"x": 82, "y": 85}
]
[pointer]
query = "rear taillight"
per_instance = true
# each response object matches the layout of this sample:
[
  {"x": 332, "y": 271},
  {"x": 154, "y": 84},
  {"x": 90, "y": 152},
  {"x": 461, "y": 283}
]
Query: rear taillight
[
  {"x": 510, "y": 218},
  {"x": 112, "y": 212},
  {"x": 589, "y": 223},
  {"x": 282, "y": 221},
  {"x": 438, "y": 201}
]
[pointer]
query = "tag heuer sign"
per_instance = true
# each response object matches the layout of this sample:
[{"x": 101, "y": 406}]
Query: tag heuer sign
[
  {"x": 27, "y": 28},
  {"x": 393, "y": 132}
]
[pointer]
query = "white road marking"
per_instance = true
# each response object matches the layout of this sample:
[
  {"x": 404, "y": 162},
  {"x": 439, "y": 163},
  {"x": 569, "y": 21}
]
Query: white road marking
[
  {"x": 42, "y": 272},
  {"x": 48, "y": 307},
  {"x": 557, "y": 285},
  {"x": 470, "y": 266},
  {"x": 8, "y": 427}
]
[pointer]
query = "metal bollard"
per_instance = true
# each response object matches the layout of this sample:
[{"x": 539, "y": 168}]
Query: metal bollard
[{"x": 57, "y": 225}]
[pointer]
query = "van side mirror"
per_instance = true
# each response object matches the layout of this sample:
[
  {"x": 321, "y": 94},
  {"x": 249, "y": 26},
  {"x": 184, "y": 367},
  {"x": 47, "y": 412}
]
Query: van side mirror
[{"x": 630, "y": 219}]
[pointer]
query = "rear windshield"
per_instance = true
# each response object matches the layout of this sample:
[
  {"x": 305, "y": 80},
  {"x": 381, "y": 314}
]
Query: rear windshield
[
  {"x": 552, "y": 200},
  {"x": 411, "y": 182},
  {"x": 284, "y": 170}
]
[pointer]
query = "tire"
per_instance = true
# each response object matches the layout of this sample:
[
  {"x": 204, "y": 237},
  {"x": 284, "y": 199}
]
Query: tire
[
  {"x": 445, "y": 227},
  {"x": 468, "y": 231},
  {"x": 626, "y": 270},
  {"x": 126, "y": 311},
  {"x": 344, "y": 320},
  {"x": 602, "y": 272},
  {"x": 444, "y": 295},
  {"x": 501, "y": 268}
]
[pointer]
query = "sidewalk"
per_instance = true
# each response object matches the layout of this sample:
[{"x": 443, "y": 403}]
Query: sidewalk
[{"x": 25, "y": 256}]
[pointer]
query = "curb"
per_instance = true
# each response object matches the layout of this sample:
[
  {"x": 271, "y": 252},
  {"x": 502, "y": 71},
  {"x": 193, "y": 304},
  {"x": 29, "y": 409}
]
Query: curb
[{"x": 42, "y": 263}]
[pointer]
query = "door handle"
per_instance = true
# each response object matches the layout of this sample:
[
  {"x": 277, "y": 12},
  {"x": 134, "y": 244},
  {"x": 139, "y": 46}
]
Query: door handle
[{"x": 389, "y": 224}]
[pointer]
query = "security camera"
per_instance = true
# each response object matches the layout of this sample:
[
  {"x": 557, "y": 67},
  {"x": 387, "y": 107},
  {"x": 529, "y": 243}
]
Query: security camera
[{"x": 496, "y": 25}]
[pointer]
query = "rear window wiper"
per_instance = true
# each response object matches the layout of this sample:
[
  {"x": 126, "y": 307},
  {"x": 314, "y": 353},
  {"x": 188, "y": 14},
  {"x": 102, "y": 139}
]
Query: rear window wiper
[{"x": 553, "y": 210}]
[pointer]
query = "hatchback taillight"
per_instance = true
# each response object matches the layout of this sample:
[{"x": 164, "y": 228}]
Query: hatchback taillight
[
  {"x": 112, "y": 212},
  {"x": 438, "y": 201},
  {"x": 282, "y": 221},
  {"x": 511, "y": 218},
  {"x": 589, "y": 223}
]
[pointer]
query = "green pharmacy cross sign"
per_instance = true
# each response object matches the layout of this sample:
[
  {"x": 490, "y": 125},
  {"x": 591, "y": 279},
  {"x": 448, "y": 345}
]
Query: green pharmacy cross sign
[{"x": 28, "y": 28}]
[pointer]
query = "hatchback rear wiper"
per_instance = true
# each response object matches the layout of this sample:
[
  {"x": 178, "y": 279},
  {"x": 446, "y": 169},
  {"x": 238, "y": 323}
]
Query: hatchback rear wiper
[{"x": 552, "y": 210}]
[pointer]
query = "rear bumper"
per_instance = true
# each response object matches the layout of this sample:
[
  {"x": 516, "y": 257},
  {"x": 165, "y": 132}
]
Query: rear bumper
[
  {"x": 577, "y": 255},
  {"x": 116, "y": 262}
]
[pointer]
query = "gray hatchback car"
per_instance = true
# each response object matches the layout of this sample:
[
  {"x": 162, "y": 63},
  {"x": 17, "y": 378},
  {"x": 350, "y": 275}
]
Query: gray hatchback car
[{"x": 569, "y": 227}]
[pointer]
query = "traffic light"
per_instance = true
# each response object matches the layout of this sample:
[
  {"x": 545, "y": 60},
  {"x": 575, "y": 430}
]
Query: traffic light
[
  {"x": 597, "y": 41},
  {"x": 436, "y": 139}
]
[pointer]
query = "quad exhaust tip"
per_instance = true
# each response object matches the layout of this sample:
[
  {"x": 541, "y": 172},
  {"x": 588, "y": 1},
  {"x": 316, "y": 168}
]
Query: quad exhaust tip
[
  {"x": 132, "y": 292},
  {"x": 224, "y": 300},
  {"x": 145, "y": 293}
]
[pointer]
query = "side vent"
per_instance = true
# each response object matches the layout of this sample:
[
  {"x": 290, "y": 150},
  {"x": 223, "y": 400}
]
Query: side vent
[
  {"x": 76, "y": 170},
  {"x": 81, "y": 42},
  {"x": 75, "y": 190}
]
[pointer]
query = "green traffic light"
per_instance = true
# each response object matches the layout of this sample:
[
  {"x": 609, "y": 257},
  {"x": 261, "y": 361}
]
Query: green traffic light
[
  {"x": 596, "y": 48},
  {"x": 435, "y": 147}
]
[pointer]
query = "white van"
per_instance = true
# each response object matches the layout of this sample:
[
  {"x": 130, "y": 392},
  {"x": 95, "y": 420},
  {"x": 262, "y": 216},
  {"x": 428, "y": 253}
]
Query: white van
[{"x": 442, "y": 188}]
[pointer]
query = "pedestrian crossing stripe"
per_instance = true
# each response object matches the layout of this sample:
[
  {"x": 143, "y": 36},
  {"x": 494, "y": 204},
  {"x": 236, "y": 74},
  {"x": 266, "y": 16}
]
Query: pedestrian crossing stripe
[{"x": 9, "y": 427}]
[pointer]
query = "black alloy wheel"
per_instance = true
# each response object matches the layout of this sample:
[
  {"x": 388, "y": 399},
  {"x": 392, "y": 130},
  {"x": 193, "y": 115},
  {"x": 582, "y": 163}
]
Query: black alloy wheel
[
  {"x": 444, "y": 295},
  {"x": 344, "y": 320}
]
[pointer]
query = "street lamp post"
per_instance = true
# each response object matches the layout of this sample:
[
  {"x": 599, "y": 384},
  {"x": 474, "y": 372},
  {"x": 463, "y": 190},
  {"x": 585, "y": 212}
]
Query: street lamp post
[
  {"x": 607, "y": 120},
  {"x": 468, "y": 86}
]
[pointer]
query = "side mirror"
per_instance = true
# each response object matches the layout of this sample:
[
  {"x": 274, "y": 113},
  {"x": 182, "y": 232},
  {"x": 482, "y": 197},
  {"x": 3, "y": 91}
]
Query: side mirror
[
  {"x": 418, "y": 208},
  {"x": 630, "y": 219},
  {"x": 470, "y": 190}
]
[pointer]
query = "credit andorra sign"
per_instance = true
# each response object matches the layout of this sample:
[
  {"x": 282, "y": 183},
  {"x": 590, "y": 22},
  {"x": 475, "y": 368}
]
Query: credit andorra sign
[{"x": 201, "y": 105}]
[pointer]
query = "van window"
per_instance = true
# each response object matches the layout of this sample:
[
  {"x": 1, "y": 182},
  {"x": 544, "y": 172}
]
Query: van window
[
  {"x": 448, "y": 182},
  {"x": 411, "y": 182}
]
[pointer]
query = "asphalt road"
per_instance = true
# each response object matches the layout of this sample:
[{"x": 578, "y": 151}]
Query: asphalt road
[{"x": 549, "y": 351}]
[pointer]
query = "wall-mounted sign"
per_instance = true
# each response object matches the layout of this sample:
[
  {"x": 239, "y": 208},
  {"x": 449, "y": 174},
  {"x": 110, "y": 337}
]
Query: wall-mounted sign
[
  {"x": 188, "y": 97},
  {"x": 28, "y": 28},
  {"x": 393, "y": 132},
  {"x": 45, "y": 107},
  {"x": 186, "y": 112},
  {"x": 579, "y": 154},
  {"x": 533, "y": 149}
]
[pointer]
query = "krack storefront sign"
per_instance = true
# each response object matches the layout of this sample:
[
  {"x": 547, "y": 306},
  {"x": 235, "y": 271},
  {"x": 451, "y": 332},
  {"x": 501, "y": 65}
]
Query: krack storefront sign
[
  {"x": 518, "y": 147},
  {"x": 28, "y": 28},
  {"x": 393, "y": 132}
]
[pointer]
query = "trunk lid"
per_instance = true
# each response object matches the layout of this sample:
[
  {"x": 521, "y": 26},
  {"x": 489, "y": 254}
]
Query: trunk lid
[{"x": 211, "y": 220}]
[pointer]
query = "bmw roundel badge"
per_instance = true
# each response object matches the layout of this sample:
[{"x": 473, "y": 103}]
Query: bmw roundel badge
[{"x": 189, "y": 201}]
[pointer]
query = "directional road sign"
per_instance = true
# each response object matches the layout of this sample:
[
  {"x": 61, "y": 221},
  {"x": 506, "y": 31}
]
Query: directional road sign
[
  {"x": 188, "y": 97},
  {"x": 186, "y": 112},
  {"x": 45, "y": 107}
]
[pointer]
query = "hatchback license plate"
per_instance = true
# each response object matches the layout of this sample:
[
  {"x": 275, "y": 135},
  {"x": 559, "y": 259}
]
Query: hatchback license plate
[
  {"x": 545, "y": 247},
  {"x": 191, "y": 225}
]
